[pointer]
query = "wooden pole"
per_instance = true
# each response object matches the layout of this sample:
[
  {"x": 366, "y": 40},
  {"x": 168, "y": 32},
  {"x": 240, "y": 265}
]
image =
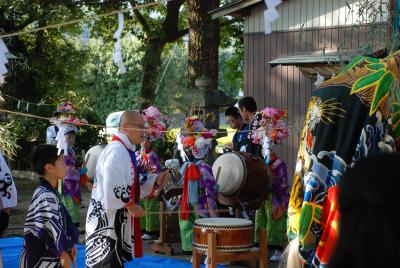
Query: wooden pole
[
  {"x": 263, "y": 254},
  {"x": 392, "y": 19},
  {"x": 195, "y": 258},
  {"x": 212, "y": 250}
]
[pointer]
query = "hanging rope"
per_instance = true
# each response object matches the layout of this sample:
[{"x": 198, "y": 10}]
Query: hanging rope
[
  {"x": 140, "y": 129},
  {"x": 62, "y": 24},
  {"x": 166, "y": 67},
  {"x": 42, "y": 103}
]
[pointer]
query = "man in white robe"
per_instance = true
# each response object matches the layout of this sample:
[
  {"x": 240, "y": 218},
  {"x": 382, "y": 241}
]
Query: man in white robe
[
  {"x": 8, "y": 194},
  {"x": 110, "y": 226}
]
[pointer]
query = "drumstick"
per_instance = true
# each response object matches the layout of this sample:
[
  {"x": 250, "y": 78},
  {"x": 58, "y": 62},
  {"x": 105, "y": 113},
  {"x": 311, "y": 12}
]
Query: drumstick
[
  {"x": 85, "y": 159},
  {"x": 218, "y": 172}
]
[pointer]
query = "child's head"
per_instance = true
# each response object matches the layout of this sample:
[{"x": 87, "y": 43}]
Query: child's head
[
  {"x": 70, "y": 138},
  {"x": 70, "y": 133},
  {"x": 47, "y": 162}
]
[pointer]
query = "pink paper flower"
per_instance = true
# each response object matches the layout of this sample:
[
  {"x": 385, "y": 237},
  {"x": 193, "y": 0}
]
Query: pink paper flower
[
  {"x": 155, "y": 122},
  {"x": 273, "y": 124}
]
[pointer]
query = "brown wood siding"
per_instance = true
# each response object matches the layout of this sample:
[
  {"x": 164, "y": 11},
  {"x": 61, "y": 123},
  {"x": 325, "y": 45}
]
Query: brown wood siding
[
  {"x": 309, "y": 14},
  {"x": 286, "y": 87}
]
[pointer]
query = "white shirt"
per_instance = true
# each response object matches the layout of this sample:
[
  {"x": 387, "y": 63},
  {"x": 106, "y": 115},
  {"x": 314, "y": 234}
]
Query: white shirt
[{"x": 8, "y": 192}]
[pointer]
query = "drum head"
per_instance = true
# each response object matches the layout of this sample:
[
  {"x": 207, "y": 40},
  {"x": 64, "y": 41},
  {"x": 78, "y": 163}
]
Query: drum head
[
  {"x": 91, "y": 158},
  {"x": 229, "y": 171},
  {"x": 223, "y": 222}
]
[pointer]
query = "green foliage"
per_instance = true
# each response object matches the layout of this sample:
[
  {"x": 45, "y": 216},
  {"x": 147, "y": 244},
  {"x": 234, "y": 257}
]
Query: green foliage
[
  {"x": 8, "y": 141},
  {"x": 231, "y": 58},
  {"x": 55, "y": 65},
  {"x": 230, "y": 72},
  {"x": 87, "y": 137},
  {"x": 27, "y": 133},
  {"x": 104, "y": 89},
  {"x": 165, "y": 147},
  {"x": 172, "y": 82},
  {"x": 172, "y": 92},
  {"x": 56, "y": 48}
]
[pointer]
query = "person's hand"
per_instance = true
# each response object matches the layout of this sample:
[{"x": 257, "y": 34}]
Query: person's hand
[
  {"x": 148, "y": 168},
  {"x": 7, "y": 211},
  {"x": 65, "y": 260},
  {"x": 136, "y": 211},
  {"x": 89, "y": 185},
  {"x": 229, "y": 146},
  {"x": 73, "y": 253},
  {"x": 162, "y": 180}
]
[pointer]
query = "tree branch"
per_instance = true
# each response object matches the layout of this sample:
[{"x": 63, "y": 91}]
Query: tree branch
[
  {"x": 170, "y": 23},
  {"x": 178, "y": 35},
  {"x": 140, "y": 18}
]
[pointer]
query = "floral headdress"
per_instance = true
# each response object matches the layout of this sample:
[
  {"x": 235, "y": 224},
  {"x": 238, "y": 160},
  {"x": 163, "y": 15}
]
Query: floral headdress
[
  {"x": 196, "y": 137},
  {"x": 66, "y": 123},
  {"x": 156, "y": 123},
  {"x": 65, "y": 108},
  {"x": 272, "y": 131},
  {"x": 272, "y": 126},
  {"x": 67, "y": 111}
]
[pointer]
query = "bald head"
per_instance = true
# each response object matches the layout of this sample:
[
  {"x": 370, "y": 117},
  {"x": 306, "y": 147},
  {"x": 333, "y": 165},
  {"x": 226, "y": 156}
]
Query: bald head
[
  {"x": 132, "y": 124},
  {"x": 130, "y": 117}
]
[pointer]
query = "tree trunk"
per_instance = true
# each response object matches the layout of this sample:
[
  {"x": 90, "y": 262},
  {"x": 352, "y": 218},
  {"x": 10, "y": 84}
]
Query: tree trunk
[
  {"x": 203, "y": 42},
  {"x": 169, "y": 33},
  {"x": 151, "y": 69},
  {"x": 203, "y": 53}
]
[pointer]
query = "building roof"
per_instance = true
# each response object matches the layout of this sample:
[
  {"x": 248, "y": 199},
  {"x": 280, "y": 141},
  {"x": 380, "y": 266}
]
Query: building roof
[
  {"x": 312, "y": 64},
  {"x": 326, "y": 65},
  {"x": 236, "y": 8},
  {"x": 307, "y": 59},
  {"x": 329, "y": 57}
]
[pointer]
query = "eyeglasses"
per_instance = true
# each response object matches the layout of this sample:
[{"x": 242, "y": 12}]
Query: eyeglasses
[{"x": 138, "y": 126}]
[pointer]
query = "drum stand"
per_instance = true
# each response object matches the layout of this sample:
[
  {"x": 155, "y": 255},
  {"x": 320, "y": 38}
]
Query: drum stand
[
  {"x": 251, "y": 257},
  {"x": 163, "y": 245}
]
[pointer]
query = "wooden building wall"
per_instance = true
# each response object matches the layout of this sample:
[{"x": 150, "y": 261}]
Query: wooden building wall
[{"x": 287, "y": 87}]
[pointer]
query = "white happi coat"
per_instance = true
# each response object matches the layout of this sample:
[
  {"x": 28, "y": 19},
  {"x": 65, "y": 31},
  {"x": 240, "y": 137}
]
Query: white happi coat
[
  {"x": 51, "y": 134},
  {"x": 8, "y": 192},
  {"x": 109, "y": 232}
]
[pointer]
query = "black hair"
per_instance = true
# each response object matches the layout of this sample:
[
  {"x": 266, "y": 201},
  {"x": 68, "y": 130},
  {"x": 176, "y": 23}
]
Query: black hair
[
  {"x": 70, "y": 132},
  {"x": 249, "y": 103},
  {"x": 43, "y": 155},
  {"x": 369, "y": 235},
  {"x": 232, "y": 111}
]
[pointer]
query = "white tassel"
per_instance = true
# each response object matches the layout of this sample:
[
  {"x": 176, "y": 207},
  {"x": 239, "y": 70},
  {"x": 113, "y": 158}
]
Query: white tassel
[
  {"x": 61, "y": 141},
  {"x": 319, "y": 80},
  {"x": 117, "y": 56},
  {"x": 3, "y": 61},
  {"x": 180, "y": 146},
  {"x": 270, "y": 14},
  {"x": 131, "y": 9},
  {"x": 266, "y": 147}
]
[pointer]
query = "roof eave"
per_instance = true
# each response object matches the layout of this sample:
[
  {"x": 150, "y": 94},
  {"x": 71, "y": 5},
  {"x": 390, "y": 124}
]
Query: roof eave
[{"x": 238, "y": 8}]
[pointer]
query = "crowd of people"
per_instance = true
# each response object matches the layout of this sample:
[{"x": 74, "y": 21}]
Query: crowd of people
[{"x": 129, "y": 176}]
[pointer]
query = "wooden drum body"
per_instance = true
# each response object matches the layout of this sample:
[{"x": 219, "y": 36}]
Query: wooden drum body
[
  {"x": 232, "y": 234},
  {"x": 241, "y": 178}
]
